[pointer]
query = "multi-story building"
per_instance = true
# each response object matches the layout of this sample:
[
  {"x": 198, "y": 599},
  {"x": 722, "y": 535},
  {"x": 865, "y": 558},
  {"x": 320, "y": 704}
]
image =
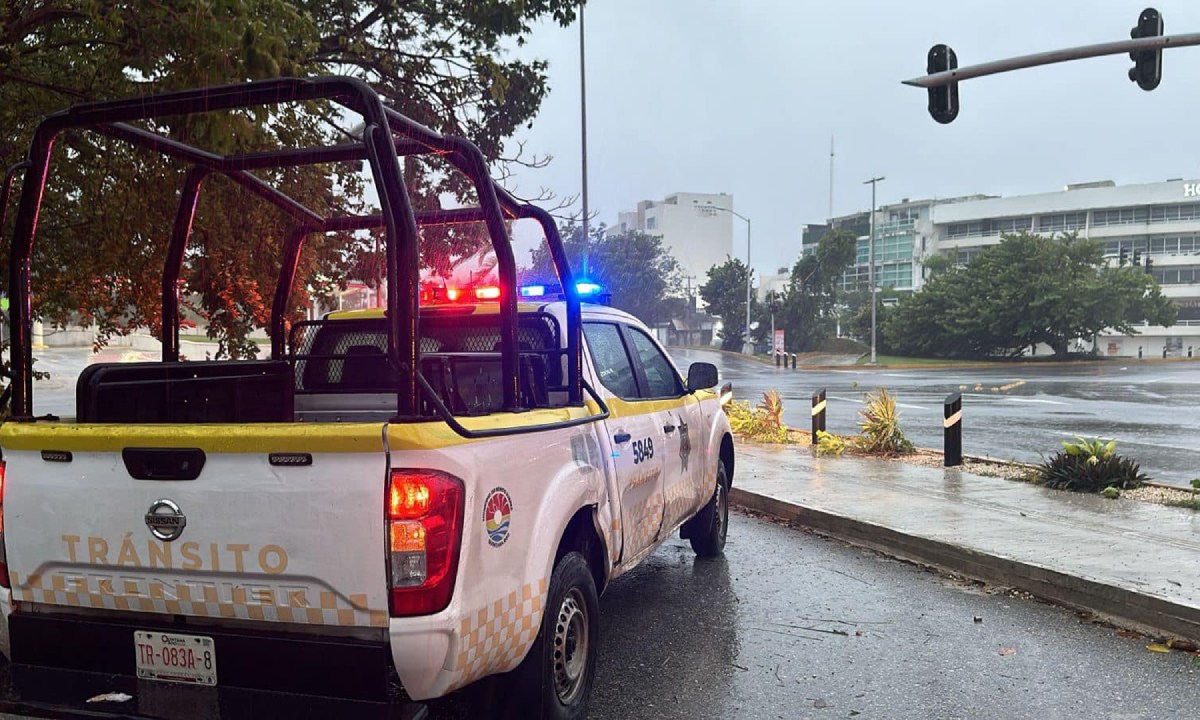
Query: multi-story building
[
  {"x": 1160, "y": 221},
  {"x": 696, "y": 228},
  {"x": 904, "y": 234}
]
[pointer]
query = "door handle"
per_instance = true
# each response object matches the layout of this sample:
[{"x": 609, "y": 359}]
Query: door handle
[
  {"x": 668, "y": 429},
  {"x": 620, "y": 438}
]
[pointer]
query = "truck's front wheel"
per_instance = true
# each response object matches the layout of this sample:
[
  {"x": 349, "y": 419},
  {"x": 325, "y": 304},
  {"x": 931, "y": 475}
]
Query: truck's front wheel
[
  {"x": 557, "y": 674},
  {"x": 712, "y": 523}
]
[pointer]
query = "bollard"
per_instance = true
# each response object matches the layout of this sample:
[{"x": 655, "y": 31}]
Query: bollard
[
  {"x": 1139, "y": 352},
  {"x": 818, "y": 414},
  {"x": 776, "y": 358},
  {"x": 1164, "y": 352},
  {"x": 793, "y": 361},
  {"x": 1189, "y": 350},
  {"x": 952, "y": 430}
]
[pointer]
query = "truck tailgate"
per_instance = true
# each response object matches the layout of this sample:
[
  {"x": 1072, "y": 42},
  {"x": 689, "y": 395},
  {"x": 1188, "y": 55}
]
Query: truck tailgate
[{"x": 277, "y": 523}]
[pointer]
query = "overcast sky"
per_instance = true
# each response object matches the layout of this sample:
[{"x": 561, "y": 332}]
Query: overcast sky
[{"x": 742, "y": 97}]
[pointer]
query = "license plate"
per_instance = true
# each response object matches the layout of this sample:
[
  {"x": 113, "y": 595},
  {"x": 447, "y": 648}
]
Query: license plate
[{"x": 190, "y": 659}]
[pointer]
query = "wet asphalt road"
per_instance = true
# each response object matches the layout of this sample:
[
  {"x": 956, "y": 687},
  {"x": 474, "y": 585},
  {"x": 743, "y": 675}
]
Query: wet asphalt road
[
  {"x": 1010, "y": 412},
  {"x": 791, "y": 625}
]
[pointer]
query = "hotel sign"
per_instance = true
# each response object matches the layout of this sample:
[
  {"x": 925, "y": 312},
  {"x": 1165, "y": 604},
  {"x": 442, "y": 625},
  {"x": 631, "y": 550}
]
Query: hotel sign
[{"x": 1191, "y": 190}]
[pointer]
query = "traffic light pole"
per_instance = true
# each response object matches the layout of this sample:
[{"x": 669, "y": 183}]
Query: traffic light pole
[{"x": 995, "y": 67}]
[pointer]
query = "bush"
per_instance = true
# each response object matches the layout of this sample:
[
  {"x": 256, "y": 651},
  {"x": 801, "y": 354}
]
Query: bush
[
  {"x": 1090, "y": 466},
  {"x": 763, "y": 423},
  {"x": 880, "y": 425},
  {"x": 830, "y": 444}
]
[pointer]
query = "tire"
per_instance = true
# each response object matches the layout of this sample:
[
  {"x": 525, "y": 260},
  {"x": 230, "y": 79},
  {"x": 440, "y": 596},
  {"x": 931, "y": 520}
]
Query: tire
[
  {"x": 708, "y": 538},
  {"x": 554, "y": 680}
]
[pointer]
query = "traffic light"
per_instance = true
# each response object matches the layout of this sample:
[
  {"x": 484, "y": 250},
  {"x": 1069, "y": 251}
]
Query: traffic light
[
  {"x": 1149, "y": 265},
  {"x": 1124, "y": 258},
  {"x": 1147, "y": 64},
  {"x": 943, "y": 100},
  {"x": 1137, "y": 257}
]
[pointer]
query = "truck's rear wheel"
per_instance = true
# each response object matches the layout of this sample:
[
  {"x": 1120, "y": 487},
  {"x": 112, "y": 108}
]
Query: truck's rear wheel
[
  {"x": 708, "y": 538},
  {"x": 556, "y": 676}
]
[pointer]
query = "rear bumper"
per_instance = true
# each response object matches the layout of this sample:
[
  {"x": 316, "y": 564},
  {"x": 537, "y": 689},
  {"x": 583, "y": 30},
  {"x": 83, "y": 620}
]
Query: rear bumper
[
  {"x": 343, "y": 668},
  {"x": 50, "y": 693},
  {"x": 59, "y": 662}
]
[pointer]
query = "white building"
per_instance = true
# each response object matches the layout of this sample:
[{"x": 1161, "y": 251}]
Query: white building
[
  {"x": 695, "y": 227},
  {"x": 1160, "y": 221}
]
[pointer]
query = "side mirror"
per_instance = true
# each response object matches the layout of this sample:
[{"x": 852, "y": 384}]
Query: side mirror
[{"x": 701, "y": 376}]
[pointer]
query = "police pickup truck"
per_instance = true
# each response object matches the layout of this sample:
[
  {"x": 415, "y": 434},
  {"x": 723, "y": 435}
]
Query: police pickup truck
[{"x": 420, "y": 496}]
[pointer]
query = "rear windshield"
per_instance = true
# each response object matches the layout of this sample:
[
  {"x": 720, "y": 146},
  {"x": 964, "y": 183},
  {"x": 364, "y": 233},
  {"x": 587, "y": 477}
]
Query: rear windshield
[{"x": 351, "y": 355}]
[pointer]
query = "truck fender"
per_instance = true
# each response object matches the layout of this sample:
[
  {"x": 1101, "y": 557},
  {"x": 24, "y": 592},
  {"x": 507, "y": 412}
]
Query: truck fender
[{"x": 719, "y": 445}]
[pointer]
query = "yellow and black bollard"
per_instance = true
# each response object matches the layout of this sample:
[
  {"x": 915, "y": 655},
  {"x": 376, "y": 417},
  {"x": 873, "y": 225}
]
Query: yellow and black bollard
[
  {"x": 952, "y": 429},
  {"x": 818, "y": 414}
]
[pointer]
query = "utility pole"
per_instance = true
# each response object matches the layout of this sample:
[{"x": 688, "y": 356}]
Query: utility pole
[
  {"x": 871, "y": 260},
  {"x": 583, "y": 136},
  {"x": 830, "y": 217}
]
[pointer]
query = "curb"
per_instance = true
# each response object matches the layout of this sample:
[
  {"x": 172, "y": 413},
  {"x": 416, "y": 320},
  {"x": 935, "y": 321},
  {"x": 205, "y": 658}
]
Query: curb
[{"x": 1148, "y": 614}]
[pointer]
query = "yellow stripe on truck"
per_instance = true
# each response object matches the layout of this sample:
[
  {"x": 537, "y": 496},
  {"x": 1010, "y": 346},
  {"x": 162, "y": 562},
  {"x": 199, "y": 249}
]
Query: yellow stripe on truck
[
  {"x": 267, "y": 437},
  {"x": 625, "y": 408},
  {"x": 249, "y": 438},
  {"x": 437, "y": 435}
]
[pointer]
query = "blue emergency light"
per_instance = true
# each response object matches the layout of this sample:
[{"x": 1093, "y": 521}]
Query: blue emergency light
[{"x": 585, "y": 289}]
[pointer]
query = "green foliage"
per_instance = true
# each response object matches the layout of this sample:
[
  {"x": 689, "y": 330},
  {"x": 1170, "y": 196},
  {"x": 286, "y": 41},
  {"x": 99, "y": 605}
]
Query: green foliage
[
  {"x": 1112, "y": 493},
  {"x": 639, "y": 272},
  {"x": 830, "y": 444},
  {"x": 809, "y": 306},
  {"x": 1028, "y": 289},
  {"x": 725, "y": 294},
  {"x": 858, "y": 318},
  {"x": 1090, "y": 466},
  {"x": 108, "y": 209},
  {"x": 763, "y": 423},
  {"x": 880, "y": 426},
  {"x": 1093, "y": 451}
]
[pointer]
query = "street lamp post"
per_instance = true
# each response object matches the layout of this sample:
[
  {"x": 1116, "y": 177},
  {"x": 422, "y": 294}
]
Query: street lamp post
[
  {"x": 871, "y": 260},
  {"x": 748, "y": 345}
]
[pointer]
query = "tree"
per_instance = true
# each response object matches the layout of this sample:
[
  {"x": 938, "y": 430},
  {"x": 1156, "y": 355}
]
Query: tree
[
  {"x": 725, "y": 295},
  {"x": 638, "y": 272},
  {"x": 810, "y": 303},
  {"x": 1027, "y": 290},
  {"x": 108, "y": 208}
]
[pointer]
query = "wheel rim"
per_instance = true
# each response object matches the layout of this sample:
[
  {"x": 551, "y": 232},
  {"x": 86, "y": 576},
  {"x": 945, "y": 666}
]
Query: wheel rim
[{"x": 570, "y": 647}]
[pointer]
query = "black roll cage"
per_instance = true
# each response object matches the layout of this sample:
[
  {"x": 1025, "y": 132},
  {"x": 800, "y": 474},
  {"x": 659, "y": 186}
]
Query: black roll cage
[{"x": 387, "y": 135}]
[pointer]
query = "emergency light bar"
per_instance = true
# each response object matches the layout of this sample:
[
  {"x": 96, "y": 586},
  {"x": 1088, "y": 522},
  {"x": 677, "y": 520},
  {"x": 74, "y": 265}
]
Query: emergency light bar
[{"x": 585, "y": 289}]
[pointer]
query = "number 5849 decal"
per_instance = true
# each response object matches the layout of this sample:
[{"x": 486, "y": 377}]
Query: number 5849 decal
[{"x": 643, "y": 450}]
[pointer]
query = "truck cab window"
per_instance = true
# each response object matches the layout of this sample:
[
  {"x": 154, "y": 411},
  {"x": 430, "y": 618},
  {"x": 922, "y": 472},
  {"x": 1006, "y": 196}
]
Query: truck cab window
[
  {"x": 661, "y": 379},
  {"x": 613, "y": 365}
]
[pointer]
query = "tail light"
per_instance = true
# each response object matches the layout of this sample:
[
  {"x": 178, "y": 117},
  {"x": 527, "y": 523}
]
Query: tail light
[
  {"x": 487, "y": 292},
  {"x": 425, "y": 521},
  {"x": 3, "y": 555}
]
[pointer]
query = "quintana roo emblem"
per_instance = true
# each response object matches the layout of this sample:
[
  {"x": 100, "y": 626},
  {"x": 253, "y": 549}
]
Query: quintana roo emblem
[{"x": 496, "y": 511}]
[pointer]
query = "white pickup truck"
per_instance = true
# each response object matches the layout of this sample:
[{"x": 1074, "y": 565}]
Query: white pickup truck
[{"x": 428, "y": 493}]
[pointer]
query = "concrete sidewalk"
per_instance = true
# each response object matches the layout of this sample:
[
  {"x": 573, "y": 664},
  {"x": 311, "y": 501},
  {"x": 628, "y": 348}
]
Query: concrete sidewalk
[{"x": 1135, "y": 562}]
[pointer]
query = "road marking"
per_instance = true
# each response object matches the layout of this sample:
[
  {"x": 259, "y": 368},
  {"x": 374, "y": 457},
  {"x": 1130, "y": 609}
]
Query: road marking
[
  {"x": 835, "y": 397},
  {"x": 911, "y": 407},
  {"x": 1036, "y": 400}
]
